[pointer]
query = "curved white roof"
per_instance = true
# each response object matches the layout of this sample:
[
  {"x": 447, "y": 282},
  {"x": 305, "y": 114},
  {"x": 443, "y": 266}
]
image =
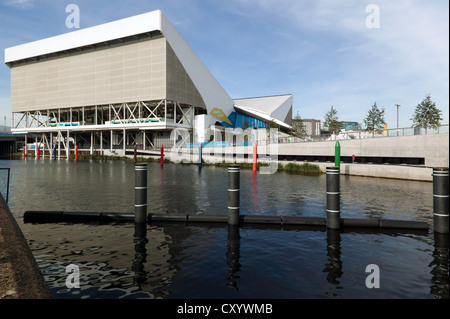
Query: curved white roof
[{"x": 139, "y": 24}]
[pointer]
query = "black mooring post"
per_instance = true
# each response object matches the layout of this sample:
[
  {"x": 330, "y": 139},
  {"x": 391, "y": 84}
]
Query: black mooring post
[
  {"x": 333, "y": 198},
  {"x": 233, "y": 194},
  {"x": 440, "y": 200},
  {"x": 140, "y": 191}
]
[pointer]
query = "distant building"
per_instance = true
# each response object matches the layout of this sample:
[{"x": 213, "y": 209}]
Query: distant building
[
  {"x": 312, "y": 127},
  {"x": 351, "y": 126}
]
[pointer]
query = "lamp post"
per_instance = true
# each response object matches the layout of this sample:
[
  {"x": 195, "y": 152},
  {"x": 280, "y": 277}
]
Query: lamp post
[{"x": 397, "y": 105}]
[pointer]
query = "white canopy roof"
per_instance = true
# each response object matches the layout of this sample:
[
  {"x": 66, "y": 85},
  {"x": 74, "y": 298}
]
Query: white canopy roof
[{"x": 271, "y": 108}]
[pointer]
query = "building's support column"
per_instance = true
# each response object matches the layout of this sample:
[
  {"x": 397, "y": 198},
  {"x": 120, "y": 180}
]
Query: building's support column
[
  {"x": 111, "y": 146},
  {"x": 143, "y": 138},
  {"x": 139, "y": 111},
  {"x": 92, "y": 144},
  {"x": 35, "y": 146},
  {"x": 51, "y": 146},
  {"x": 26, "y": 144},
  {"x": 101, "y": 142},
  {"x": 59, "y": 143},
  {"x": 123, "y": 139},
  {"x": 175, "y": 112},
  {"x": 44, "y": 139},
  {"x": 68, "y": 145}
]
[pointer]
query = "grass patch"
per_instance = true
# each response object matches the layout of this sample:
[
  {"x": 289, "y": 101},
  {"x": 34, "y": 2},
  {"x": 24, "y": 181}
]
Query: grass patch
[
  {"x": 305, "y": 168},
  {"x": 99, "y": 157},
  {"x": 241, "y": 165},
  {"x": 292, "y": 168}
]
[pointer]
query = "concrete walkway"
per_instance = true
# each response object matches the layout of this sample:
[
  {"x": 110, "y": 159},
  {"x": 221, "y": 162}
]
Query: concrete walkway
[{"x": 20, "y": 277}]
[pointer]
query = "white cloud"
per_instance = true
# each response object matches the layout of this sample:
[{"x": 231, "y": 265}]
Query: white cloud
[
  {"x": 23, "y": 4},
  {"x": 400, "y": 62}
]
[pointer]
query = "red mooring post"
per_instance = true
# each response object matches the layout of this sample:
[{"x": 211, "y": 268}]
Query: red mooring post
[
  {"x": 162, "y": 155},
  {"x": 23, "y": 153},
  {"x": 76, "y": 153},
  {"x": 38, "y": 150},
  {"x": 255, "y": 155}
]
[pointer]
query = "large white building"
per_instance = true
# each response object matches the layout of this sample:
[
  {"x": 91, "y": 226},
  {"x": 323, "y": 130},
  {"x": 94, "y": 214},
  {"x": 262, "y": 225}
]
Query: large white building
[{"x": 123, "y": 83}]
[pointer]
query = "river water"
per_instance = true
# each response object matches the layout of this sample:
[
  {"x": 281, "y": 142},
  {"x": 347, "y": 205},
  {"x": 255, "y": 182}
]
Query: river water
[{"x": 204, "y": 261}]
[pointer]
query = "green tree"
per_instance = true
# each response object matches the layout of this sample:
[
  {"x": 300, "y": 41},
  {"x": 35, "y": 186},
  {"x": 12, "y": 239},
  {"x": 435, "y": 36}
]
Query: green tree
[
  {"x": 269, "y": 125},
  {"x": 298, "y": 127},
  {"x": 427, "y": 115},
  {"x": 375, "y": 118},
  {"x": 332, "y": 122}
]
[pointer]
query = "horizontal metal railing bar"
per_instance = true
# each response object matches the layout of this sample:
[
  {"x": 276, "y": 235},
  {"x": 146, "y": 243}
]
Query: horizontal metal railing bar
[{"x": 62, "y": 216}]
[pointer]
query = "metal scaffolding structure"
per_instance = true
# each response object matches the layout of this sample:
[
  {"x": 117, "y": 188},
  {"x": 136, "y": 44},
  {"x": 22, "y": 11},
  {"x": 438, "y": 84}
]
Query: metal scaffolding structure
[{"x": 105, "y": 129}]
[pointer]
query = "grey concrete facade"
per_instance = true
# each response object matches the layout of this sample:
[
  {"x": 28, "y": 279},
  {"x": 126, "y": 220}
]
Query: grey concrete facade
[{"x": 139, "y": 70}]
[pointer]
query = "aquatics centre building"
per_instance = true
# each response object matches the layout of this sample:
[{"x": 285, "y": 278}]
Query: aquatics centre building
[{"x": 122, "y": 84}]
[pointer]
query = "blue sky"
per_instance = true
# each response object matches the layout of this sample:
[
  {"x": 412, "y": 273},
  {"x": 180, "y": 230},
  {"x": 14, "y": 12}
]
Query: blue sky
[{"x": 320, "y": 51}]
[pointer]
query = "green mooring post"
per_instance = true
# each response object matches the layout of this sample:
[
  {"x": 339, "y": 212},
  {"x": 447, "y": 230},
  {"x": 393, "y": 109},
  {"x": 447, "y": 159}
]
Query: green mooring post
[{"x": 337, "y": 154}]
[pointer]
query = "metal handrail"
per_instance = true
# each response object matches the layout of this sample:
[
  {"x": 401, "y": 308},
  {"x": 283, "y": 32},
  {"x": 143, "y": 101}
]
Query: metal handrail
[{"x": 363, "y": 134}]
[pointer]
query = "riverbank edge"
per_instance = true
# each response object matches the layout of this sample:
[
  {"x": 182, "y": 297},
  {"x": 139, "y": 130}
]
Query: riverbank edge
[
  {"x": 386, "y": 171},
  {"x": 20, "y": 276}
]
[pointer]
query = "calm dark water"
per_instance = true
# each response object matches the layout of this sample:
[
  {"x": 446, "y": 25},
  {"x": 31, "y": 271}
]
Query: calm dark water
[{"x": 198, "y": 261}]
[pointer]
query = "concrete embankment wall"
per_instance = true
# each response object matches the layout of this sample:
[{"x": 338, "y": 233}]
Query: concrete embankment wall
[
  {"x": 405, "y": 172},
  {"x": 20, "y": 277},
  {"x": 433, "y": 148}
]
